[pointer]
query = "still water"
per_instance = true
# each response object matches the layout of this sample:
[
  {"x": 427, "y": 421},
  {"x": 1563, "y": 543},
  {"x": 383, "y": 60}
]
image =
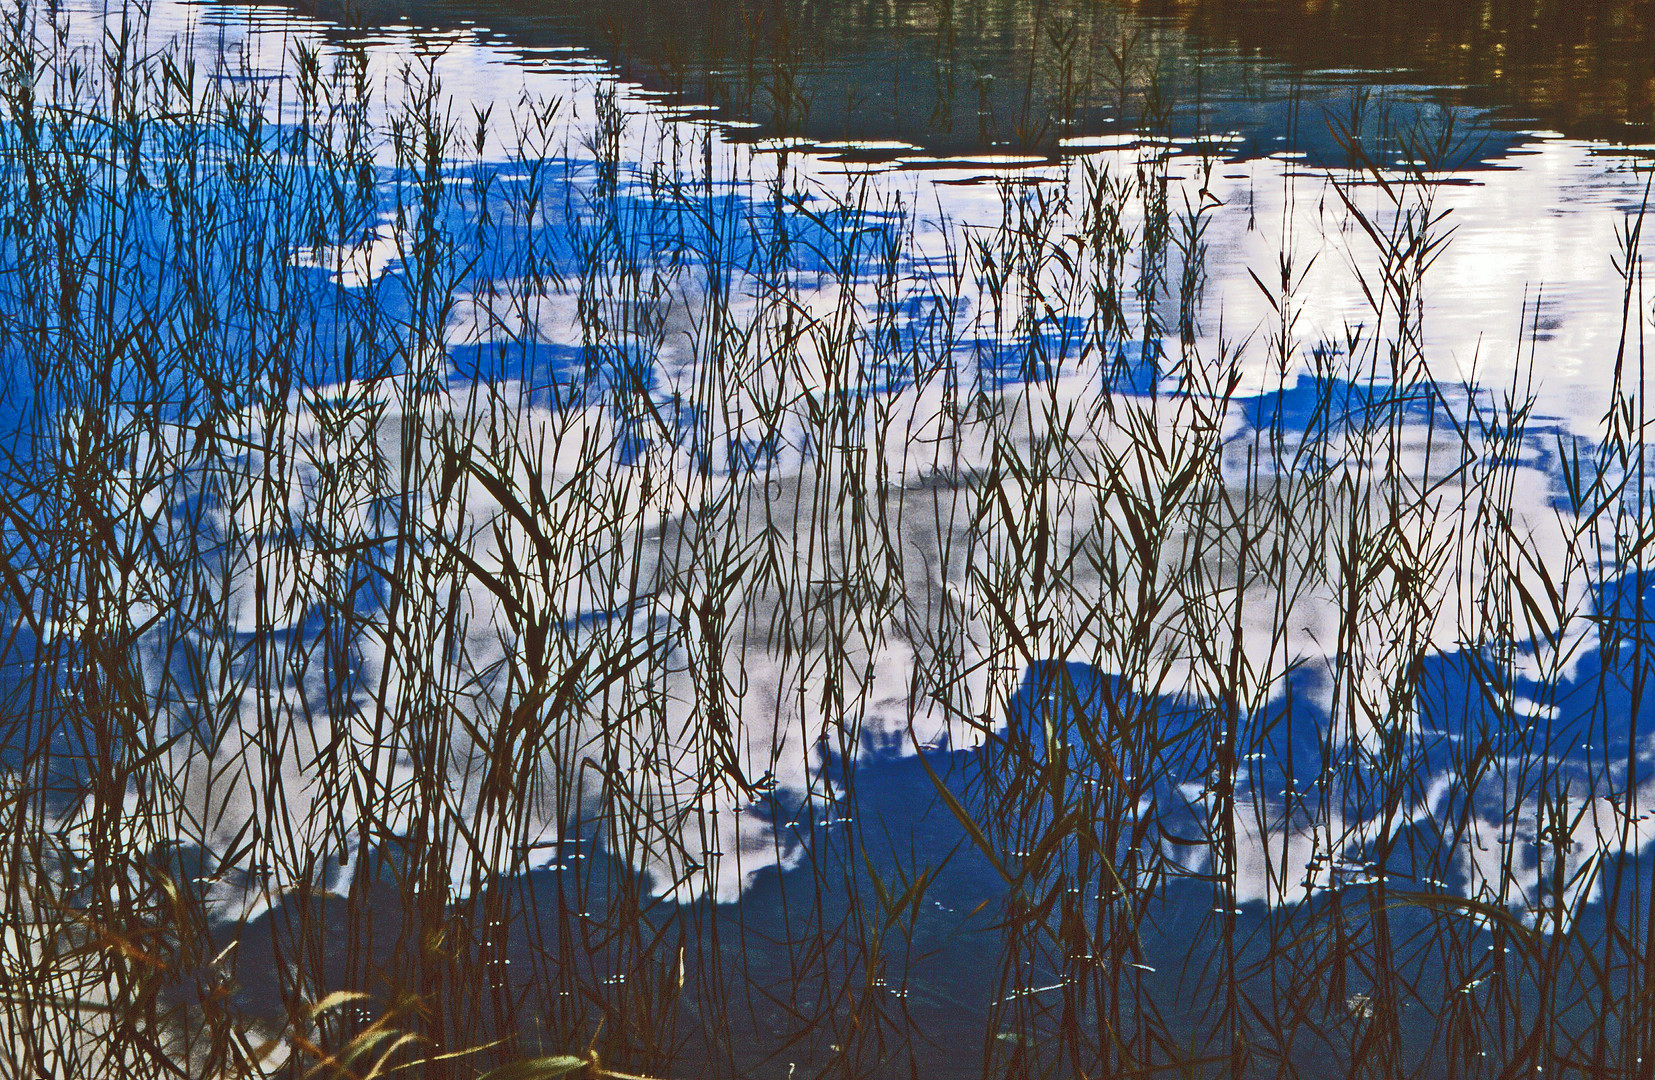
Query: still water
[
  {"x": 1280, "y": 135},
  {"x": 958, "y": 75},
  {"x": 1537, "y": 124}
]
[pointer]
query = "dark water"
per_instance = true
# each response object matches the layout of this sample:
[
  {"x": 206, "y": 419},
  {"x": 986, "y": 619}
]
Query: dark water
[{"x": 971, "y": 76}]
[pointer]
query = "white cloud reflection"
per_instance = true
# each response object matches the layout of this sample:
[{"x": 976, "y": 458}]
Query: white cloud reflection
[{"x": 764, "y": 648}]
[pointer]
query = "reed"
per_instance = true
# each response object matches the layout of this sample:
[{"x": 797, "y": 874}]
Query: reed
[{"x": 479, "y": 604}]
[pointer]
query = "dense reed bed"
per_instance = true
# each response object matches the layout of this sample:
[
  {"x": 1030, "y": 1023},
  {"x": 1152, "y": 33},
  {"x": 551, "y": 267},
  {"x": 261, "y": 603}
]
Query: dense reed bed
[{"x": 521, "y": 610}]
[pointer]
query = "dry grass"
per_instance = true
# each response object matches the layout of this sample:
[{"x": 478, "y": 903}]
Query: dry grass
[{"x": 467, "y": 617}]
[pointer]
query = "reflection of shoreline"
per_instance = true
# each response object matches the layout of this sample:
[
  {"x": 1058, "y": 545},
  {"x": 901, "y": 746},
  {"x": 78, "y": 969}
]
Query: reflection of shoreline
[
  {"x": 1581, "y": 67},
  {"x": 968, "y": 92}
]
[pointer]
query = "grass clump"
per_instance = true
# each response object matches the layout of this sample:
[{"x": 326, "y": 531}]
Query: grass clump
[{"x": 527, "y": 611}]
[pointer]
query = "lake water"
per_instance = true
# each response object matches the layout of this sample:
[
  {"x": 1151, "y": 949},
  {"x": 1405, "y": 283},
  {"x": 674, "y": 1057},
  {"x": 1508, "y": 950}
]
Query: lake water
[
  {"x": 1329, "y": 744},
  {"x": 1546, "y": 152}
]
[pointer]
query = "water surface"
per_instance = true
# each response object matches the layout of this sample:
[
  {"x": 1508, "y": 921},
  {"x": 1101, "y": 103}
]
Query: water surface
[{"x": 1458, "y": 722}]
